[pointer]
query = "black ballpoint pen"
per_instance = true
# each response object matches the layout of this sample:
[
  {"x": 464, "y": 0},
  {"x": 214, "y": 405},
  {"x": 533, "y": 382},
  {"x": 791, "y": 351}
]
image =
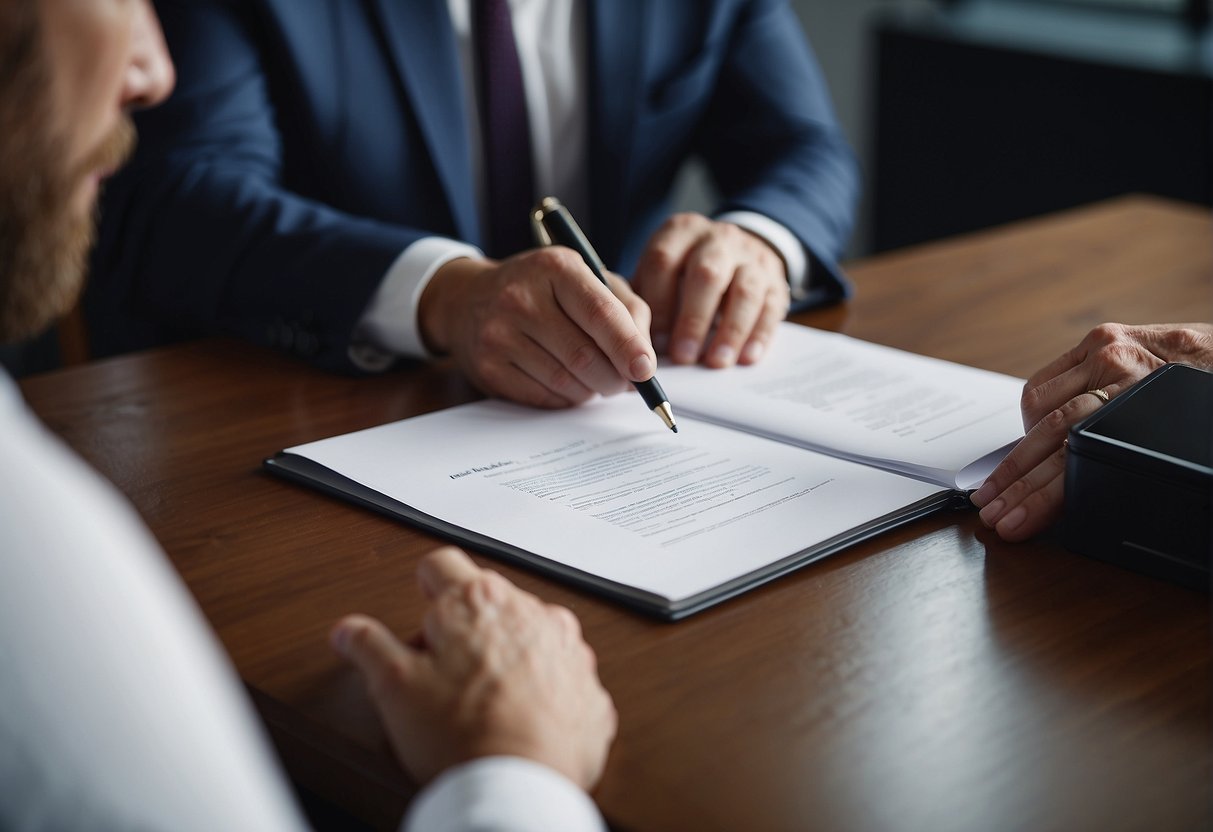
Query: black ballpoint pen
[{"x": 555, "y": 226}]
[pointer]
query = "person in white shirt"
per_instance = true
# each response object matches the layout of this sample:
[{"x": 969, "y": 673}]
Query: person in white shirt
[{"x": 118, "y": 707}]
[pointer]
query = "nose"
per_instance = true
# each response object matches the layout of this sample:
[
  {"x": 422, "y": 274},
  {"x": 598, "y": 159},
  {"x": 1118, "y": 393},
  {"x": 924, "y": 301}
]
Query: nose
[{"x": 149, "y": 75}]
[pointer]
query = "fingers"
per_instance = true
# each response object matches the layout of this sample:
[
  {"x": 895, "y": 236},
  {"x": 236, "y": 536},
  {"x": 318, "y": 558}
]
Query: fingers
[
  {"x": 709, "y": 272},
  {"x": 500, "y": 672},
  {"x": 557, "y": 324},
  {"x": 660, "y": 268},
  {"x": 1110, "y": 357},
  {"x": 514, "y": 381},
  {"x": 1043, "y": 439},
  {"x": 1032, "y": 504},
  {"x": 1074, "y": 372},
  {"x": 445, "y": 568},
  {"x": 567, "y": 624},
  {"x": 462, "y": 590},
  {"x": 461, "y": 620},
  {"x": 774, "y": 311},
  {"x": 463, "y": 595},
  {"x": 518, "y": 369},
  {"x": 550, "y": 381},
  {"x": 717, "y": 292},
  {"x": 383, "y": 661},
  {"x": 1023, "y": 495},
  {"x": 537, "y": 328},
  {"x": 612, "y": 330},
  {"x": 1066, "y": 361},
  {"x": 641, "y": 314},
  {"x": 1072, "y": 384},
  {"x": 753, "y": 307},
  {"x": 1076, "y": 386}
]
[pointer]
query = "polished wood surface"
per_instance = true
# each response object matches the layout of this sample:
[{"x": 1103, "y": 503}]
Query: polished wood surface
[{"x": 934, "y": 678}]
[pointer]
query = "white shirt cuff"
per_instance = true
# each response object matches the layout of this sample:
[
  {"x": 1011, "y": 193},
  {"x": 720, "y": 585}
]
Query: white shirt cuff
[
  {"x": 783, "y": 241},
  {"x": 503, "y": 794},
  {"x": 389, "y": 326}
]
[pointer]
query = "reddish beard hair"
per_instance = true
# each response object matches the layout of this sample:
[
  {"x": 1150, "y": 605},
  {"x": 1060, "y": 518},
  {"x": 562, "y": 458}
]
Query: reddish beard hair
[{"x": 44, "y": 241}]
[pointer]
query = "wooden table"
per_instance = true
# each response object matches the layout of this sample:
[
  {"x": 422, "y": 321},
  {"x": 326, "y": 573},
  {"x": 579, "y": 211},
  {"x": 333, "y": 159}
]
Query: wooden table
[{"x": 934, "y": 678}]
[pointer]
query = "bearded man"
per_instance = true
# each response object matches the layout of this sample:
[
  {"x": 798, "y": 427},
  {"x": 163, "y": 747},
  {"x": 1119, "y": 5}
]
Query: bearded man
[{"x": 118, "y": 708}]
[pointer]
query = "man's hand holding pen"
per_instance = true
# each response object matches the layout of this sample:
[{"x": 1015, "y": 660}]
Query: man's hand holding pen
[
  {"x": 551, "y": 327},
  {"x": 538, "y": 328}
]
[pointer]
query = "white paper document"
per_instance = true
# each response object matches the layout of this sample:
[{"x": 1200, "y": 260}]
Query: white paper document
[
  {"x": 825, "y": 443},
  {"x": 942, "y": 421},
  {"x": 606, "y": 490}
]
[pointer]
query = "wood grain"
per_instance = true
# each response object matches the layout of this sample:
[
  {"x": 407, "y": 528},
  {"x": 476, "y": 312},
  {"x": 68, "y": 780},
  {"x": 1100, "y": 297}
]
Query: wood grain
[{"x": 934, "y": 678}]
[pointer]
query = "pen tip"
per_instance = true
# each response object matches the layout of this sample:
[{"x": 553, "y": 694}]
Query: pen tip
[{"x": 667, "y": 415}]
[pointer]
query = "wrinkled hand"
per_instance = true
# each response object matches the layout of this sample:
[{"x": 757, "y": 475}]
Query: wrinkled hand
[
  {"x": 498, "y": 672},
  {"x": 1023, "y": 496},
  {"x": 538, "y": 328},
  {"x": 697, "y": 273}
]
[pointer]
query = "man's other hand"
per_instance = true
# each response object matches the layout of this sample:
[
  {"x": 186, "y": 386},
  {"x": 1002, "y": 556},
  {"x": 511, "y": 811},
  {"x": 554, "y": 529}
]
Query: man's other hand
[
  {"x": 717, "y": 292},
  {"x": 1024, "y": 494},
  {"x": 495, "y": 671}
]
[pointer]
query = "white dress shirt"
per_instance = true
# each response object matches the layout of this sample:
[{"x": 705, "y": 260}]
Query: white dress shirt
[
  {"x": 551, "y": 36},
  {"x": 119, "y": 709}
]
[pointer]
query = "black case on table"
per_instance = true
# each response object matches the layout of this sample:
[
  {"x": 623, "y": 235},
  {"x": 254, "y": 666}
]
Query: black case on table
[{"x": 1139, "y": 478}]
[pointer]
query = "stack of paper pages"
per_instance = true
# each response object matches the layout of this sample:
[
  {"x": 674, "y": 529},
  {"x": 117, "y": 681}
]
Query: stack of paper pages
[{"x": 828, "y": 441}]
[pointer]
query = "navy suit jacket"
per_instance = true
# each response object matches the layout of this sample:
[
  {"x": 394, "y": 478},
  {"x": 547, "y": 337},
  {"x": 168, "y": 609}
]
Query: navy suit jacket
[{"x": 309, "y": 142}]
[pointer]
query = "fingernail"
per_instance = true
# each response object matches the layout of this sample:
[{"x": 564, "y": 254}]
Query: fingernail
[
  {"x": 1012, "y": 520},
  {"x": 989, "y": 514},
  {"x": 982, "y": 495},
  {"x": 724, "y": 356},
  {"x": 754, "y": 350},
  {"x": 340, "y": 638},
  {"x": 641, "y": 368},
  {"x": 661, "y": 341},
  {"x": 685, "y": 351}
]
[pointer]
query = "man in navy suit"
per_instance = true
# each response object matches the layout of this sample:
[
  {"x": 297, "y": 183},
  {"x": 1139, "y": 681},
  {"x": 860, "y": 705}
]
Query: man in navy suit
[{"x": 328, "y": 179}]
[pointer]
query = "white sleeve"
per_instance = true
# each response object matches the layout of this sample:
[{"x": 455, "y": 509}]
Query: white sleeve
[
  {"x": 389, "y": 327},
  {"x": 118, "y": 707},
  {"x": 783, "y": 241},
  {"x": 503, "y": 794}
]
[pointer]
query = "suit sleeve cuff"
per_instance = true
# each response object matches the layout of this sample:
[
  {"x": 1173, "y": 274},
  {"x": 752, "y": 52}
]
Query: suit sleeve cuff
[
  {"x": 785, "y": 243},
  {"x": 503, "y": 794},
  {"x": 389, "y": 327}
]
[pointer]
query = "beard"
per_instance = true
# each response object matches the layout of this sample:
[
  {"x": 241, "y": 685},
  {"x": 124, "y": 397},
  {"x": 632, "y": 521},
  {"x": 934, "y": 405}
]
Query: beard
[{"x": 44, "y": 237}]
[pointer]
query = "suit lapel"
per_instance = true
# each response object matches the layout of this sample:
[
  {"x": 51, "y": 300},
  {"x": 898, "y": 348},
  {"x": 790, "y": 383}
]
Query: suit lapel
[
  {"x": 616, "y": 31},
  {"x": 422, "y": 43}
]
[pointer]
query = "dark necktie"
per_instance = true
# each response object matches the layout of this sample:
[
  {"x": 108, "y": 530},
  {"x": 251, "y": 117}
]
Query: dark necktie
[{"x": 505, "y": 130}]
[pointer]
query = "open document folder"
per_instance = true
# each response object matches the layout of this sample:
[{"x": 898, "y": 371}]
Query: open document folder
[{"x": 827, "y": 442}]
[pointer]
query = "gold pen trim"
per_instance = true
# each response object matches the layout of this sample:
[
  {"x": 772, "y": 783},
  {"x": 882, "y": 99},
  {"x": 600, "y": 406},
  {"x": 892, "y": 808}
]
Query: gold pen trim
[
  {"x": 667, "y": 415},
  {"x": 548, "y": 205}
]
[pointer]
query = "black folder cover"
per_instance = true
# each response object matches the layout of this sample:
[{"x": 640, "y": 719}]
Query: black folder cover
[{"x": 307, "y": 472}]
